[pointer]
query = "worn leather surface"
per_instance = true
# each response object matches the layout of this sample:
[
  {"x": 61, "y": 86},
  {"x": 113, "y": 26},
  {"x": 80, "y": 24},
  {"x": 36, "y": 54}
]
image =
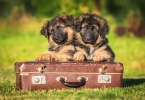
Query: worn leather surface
[{"x": 96, "y": 74}]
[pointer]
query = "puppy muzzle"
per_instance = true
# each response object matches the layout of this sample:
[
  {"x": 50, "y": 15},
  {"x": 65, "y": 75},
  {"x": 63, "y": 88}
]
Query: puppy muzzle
[
  {"x": 59, "y": 38},
  {"x": 88, "y": 39}
]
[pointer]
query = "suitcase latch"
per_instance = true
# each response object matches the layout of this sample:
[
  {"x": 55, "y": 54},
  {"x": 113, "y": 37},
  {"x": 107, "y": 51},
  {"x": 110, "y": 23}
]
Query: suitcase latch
[
  {"x": 42, "y": 69},
  {"x": 103, "y": 70}
]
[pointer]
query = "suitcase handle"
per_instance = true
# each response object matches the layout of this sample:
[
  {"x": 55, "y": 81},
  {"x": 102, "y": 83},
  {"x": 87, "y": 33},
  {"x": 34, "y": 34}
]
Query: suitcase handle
[{"x": 82, "y": 82}]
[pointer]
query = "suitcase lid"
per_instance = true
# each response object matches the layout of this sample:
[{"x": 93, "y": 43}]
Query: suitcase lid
[{"x": 73, "y": 67}]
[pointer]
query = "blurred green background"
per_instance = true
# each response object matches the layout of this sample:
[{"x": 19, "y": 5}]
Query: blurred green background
[{"x": 21, "y": 21}]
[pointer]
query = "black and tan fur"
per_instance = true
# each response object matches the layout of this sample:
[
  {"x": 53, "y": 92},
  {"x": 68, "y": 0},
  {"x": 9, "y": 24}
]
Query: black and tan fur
[
  {"x": 90, "y": 39},
  {"x": 60, "y": 34}
]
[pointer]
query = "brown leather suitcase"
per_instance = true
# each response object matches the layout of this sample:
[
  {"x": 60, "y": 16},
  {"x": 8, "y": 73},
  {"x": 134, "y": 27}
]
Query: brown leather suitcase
[{"x": 37, "y": 75}]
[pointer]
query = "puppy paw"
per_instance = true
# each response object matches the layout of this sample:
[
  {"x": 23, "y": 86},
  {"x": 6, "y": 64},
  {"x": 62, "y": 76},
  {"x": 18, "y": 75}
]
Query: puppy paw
[
  {"x": 79, "y": 57},
  {"x": 63, "y": 60},
  {"x": 98, "y": 58},
  {"x": 47, "y": 57}
]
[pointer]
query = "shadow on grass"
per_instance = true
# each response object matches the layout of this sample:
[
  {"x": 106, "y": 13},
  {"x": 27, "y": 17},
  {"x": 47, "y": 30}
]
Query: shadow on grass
[{"x": 127, "y": 82}]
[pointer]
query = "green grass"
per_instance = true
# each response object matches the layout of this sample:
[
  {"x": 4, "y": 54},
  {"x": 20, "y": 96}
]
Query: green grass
[
  {"x": 133, "y": 91},
  {"x": 24, "y": 45}
]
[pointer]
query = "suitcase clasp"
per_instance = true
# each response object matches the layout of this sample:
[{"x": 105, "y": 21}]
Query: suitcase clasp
[
  {"x": 103, "y": 70},
  {"x": 42, "y": 69}
]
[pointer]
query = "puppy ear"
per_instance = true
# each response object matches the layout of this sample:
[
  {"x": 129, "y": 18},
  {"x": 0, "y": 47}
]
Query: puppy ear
[
  {"x": 79, "y": 21},
  {"x": 104, "y": 28},
  {"x": 44, "y": 30},
  {"x": 66, "y": 19},
  {"x": 71, "y": 19},
  {"x": 77, "y": 25}
]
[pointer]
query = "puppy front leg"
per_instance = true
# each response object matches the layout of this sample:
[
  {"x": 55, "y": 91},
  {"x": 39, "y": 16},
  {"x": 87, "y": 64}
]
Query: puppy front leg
[
  {"x": 64, "y": 57},
  {"x": 65, "y": 53},
  {"x": 48, "y": 56},
  {"x": 104, "y": 53},
  {"x": 80, "y": 54}
]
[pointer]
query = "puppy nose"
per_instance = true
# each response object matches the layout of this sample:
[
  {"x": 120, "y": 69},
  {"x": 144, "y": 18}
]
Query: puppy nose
[
  {"x": 57, "y": 37},
  {"x": 87, "y": 39}
]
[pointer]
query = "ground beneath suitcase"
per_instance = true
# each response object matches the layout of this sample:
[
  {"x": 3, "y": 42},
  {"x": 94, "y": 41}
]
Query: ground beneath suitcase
[{"x": 133, "y": 88}]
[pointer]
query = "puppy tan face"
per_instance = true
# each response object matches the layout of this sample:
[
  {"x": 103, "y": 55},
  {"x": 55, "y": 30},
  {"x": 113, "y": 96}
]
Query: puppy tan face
[
  {"x": 89, "y": 32},
  {"x": 90, "y": 27},
  {"x": 59, "y": 29},
  {"x": 58, "y": 33}
]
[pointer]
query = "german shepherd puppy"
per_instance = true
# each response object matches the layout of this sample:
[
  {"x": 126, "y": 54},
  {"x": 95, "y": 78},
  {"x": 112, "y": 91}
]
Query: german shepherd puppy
[
  {"x": 60, "y": 34},
  {"x": 90, "y": 39}
]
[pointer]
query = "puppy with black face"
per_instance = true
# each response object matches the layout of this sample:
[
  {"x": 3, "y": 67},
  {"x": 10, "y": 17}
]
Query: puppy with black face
[
  {"x": 90, "y": 39},
  {"x": 60, "y": 34}
]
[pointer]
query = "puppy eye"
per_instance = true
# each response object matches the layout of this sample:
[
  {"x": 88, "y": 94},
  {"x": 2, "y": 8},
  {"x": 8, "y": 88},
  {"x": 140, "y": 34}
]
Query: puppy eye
[
  {"x": 51, "y": 30},
  {"x": 95, "y": 30},
  {"x": 85, "y": 27},
  {"x": 61, "y": 27}
]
